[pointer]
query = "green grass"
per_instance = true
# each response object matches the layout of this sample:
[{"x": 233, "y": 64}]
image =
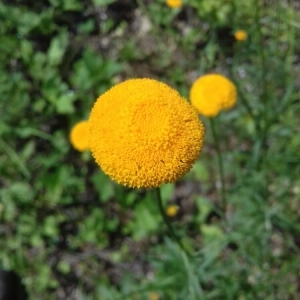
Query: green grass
[{"x": 72, "y": 233}]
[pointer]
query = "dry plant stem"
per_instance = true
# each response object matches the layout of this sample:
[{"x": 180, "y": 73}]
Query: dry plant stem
[
  {"x": 166, "y": 220},
  {"x": 220, "y": 163}
]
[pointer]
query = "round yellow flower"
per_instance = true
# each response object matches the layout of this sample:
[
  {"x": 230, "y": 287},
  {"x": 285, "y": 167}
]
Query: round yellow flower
[
  {"x": 211, "y": 93},
  {"x": 144, "y": 134},
  {"x": 174, "y": 3},
  {"x": 240, "y": 35},
  {"x": 79, "y": 136},
  {"x": 172, "y": 210}
]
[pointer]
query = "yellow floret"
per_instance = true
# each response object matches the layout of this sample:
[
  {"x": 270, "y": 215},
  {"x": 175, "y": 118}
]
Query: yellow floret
[{"x": 144, "y": 134}]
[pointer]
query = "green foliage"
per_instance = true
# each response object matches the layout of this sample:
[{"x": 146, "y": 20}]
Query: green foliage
[
  {"x": 65, "y": 226},
  {"x": 103, "y": 2},
  {"x": 219, "y": 13}
]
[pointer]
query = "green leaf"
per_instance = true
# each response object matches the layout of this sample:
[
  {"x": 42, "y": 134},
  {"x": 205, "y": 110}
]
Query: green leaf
[
  {"x": 147, "y": 219},
  {"x": 64, "y": 267},
  {"x": 200, "y": 171},
  {"x": 58, "y": 48},
  {"x": 50, "y": 226},
  {"x": 167, "y": 191},
  {"x": 36, "y": 240},
  {"x": 22, "y": 192},
  {"x": 74, "y": 5},
  {"x": 214, "y": 239},
  {"x": 67, "y": 5},
  {"x": 145, "y": 222},
  {"x": 92, "y": 227},
  {"x": 27, "y": 21},
  {"x": 9, "y": 208},
  {"x": 211, "y": 232},
  {"x": 64, "y": 105},
  {"x": 103, "y": 185},
  {"x": 103, "y": 2},
  {"x": 204, "y": 206},
  {"x": 87, "y": 26},
  {"x": 26, "y": 50}
]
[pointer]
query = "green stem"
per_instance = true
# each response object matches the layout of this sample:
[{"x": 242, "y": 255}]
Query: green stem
[
  {"x": 155, "y": 29},
  {"x": 220, "y": 163},
  {"x": 246, "y": 104},
  {"x": 258, "y": 16},
  {"x": 166, "y": 220},
  {"x": 242, "y": 96}
]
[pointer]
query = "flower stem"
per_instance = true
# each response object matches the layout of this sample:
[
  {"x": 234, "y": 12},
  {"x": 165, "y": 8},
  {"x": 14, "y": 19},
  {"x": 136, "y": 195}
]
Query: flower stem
[
  {"x": 220, "y": 163},
  {"x": 155, "y": 28},
  {"x": 166, "y": 220}
]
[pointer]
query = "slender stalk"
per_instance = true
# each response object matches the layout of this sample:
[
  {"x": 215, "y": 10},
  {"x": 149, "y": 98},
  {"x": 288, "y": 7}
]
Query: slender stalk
[
  {"x": 220, "y": 163},
  {"x": 262, "y": 54},
  {"x": 166, "y": 220},
  {"x": 241, "y": 95},
  {"x": 155, "y": 29},
  {"x": 265, "y": 118},
  {"x": 245, "y": 102}
]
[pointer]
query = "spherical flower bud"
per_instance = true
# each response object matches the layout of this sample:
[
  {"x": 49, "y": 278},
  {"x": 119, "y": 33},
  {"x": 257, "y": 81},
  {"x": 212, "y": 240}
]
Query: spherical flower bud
[
  {"x": 212, "y": 93},
  {"x": 174, "y": 3},
  {"x": 240, "y": 35},
  {"x": 144, "y": 134},
  {"x": 172, "y": 210},
  {"x": 79, "y": 136}
]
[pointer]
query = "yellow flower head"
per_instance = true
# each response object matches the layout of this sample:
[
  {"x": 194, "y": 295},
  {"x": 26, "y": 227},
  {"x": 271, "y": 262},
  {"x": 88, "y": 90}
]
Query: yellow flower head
[
  {"x": 211, "y": 93},
  {"x": 174, "y": 3},
  {"x": 172, "y": 210},
  {"x": 240, "y": 35},
  {"x": 144, "y": 134},
  {"x": 79, "y": 136}
]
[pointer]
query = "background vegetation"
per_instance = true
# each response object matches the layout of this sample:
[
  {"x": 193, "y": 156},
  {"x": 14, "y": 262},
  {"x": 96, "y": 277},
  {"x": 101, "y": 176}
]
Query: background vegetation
[{"x": 69, "y": 231}]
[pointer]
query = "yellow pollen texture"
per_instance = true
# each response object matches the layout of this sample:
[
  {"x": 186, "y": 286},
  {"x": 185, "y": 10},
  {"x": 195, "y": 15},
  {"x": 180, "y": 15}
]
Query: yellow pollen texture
[
  {"x": 144, "y": 134},
  {"x": 212, "y": 93}
]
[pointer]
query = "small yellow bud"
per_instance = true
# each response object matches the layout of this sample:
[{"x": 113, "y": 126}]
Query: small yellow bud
[
  {"x": 172, "y": 210},
  {"x": 240, "y": 35}
]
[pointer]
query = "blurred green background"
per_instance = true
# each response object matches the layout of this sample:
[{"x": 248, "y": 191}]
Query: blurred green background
[{"x": 72, "y": 233}]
